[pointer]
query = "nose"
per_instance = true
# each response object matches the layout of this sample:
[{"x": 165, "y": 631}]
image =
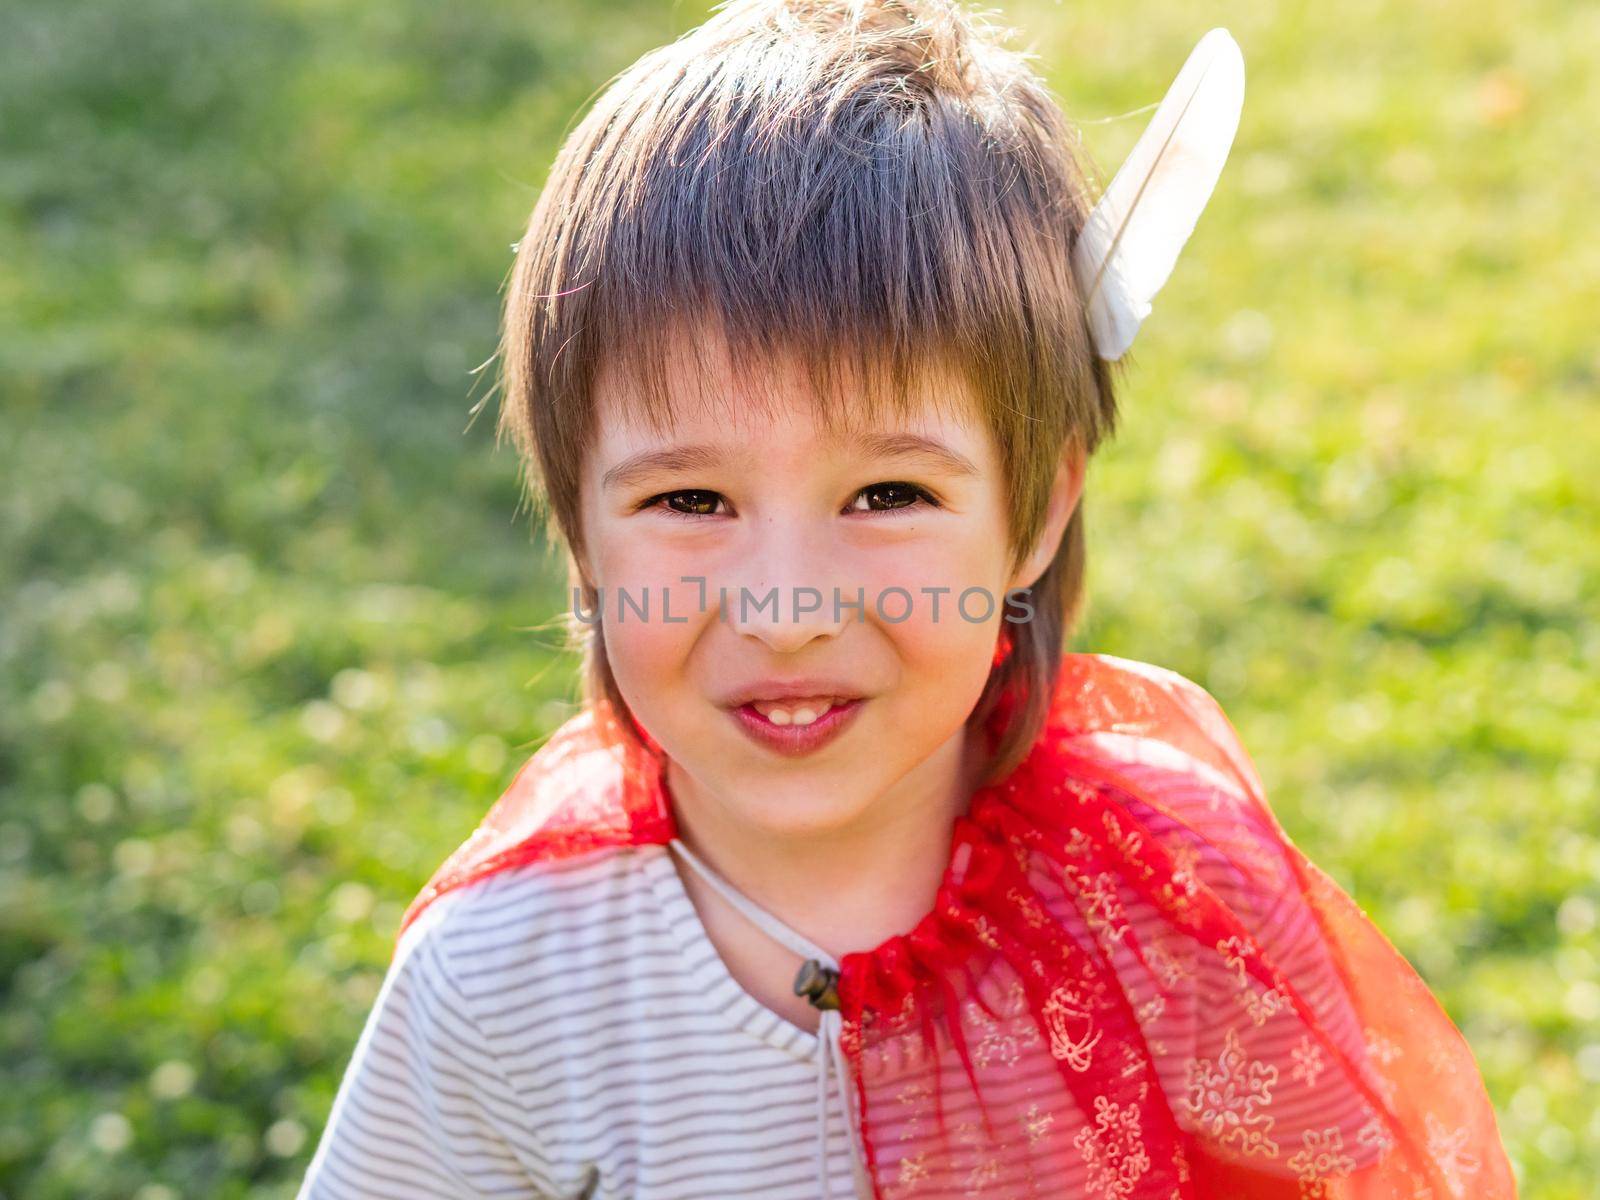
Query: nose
[{"x": 786, "y": 598}]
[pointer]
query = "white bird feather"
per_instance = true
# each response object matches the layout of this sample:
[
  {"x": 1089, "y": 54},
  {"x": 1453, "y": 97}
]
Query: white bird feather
[{"x": 1133, "y": 236}]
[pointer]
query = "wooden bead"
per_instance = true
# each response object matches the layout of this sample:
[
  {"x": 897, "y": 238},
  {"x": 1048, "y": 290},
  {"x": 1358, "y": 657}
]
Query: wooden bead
[{"x": 818, "y": 984}]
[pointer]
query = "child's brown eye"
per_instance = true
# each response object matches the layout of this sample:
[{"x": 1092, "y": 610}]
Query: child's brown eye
[
  {"x": 691, "y": 503},
  {"x": 880, "y": 497}
]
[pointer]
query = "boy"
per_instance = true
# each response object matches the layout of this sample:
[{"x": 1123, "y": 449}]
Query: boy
[{"x": 806, "y": 349}]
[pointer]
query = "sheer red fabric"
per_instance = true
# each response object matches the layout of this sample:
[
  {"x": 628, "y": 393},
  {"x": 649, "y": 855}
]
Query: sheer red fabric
[{"x": 1132, "y": 986}]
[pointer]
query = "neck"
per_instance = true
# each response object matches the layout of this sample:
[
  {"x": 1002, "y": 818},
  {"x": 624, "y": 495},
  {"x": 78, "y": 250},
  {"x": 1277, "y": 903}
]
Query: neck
[{"x": 851, "y": 887}]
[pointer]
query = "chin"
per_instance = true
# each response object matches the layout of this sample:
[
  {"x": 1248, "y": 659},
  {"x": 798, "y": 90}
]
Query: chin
[
  {"x": 803, "y": 812},
  {"x": 791, "y": 799}
]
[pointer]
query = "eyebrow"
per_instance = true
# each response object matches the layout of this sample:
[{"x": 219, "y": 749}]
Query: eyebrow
[
  {"x": 905, "y": 446},
  {"x": 641, "y": 466}
]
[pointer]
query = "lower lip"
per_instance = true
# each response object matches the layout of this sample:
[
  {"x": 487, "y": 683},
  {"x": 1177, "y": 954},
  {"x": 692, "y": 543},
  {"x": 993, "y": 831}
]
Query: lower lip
[{"x": 795, "y": 740}]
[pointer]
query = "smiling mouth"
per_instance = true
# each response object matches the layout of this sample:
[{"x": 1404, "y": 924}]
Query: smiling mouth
[{"x": 794, "y": 727}]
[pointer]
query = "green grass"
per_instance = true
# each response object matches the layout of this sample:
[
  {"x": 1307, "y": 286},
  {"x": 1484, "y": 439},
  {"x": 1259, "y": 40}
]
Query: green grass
[{"x": 272, "y": 634}]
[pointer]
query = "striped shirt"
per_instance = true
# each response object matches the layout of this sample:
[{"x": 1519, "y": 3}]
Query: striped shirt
[{"x": 567, "y": 1029}]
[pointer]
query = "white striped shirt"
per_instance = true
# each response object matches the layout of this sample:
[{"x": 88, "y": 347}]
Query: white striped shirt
[{"x": 568, "y": 1030}]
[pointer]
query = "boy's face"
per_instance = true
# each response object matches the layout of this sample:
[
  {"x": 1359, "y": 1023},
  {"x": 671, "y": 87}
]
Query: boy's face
[{"x": 789, "y": 712}]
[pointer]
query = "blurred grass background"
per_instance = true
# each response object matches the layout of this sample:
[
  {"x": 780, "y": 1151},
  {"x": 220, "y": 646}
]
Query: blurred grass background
[{"x": 269, "y": 623}]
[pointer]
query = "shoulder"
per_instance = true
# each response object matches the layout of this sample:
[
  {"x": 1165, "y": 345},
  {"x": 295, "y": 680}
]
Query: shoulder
[
  {"x": 498, "y": 928},
  {"x": 1142, "y": 715},
  {"x": 436, "y": 1087},
  {"x": 1105, "y": 690},
  {"x": 554, "y": 966},
  {"x": 1180, "y": 765}
]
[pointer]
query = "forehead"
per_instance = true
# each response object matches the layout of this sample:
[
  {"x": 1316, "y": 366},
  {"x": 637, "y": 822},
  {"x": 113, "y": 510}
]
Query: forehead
[{"x": 694, "y": 392}]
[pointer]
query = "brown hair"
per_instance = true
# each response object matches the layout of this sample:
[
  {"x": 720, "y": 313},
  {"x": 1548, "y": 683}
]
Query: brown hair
[{"x": 873, "y": 189}]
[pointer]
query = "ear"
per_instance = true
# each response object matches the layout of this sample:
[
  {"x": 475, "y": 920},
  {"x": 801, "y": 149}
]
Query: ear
[{"x": 1064, "y": 495}]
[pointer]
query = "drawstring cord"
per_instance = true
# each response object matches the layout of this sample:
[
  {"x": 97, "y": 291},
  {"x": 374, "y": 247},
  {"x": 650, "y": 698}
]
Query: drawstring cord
[{"x": 830, "y": 1055}]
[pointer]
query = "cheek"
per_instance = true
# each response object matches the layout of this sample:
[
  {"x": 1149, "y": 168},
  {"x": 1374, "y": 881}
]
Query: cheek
[
  {"x": 646, "y": 658},
  {"x": 953, "y": 589},
  {"x": 646, "y": 652}
]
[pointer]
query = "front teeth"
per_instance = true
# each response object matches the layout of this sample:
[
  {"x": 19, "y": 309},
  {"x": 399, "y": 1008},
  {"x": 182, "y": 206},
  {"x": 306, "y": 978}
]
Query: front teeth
[{"x": 804, "y": 715}]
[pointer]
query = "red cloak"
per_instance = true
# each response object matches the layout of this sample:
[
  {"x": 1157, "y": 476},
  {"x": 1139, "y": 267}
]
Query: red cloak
[{"x": 1132, "y": 986}]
